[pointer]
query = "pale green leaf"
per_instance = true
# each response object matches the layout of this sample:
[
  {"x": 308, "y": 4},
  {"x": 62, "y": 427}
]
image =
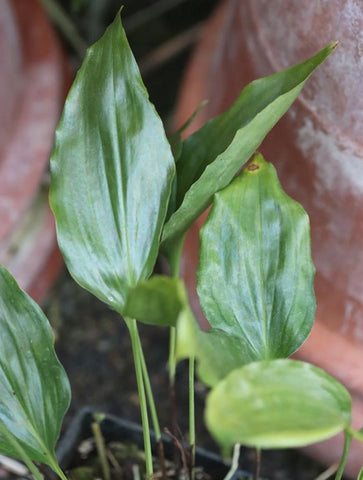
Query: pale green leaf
[
  {"x": 211, "y": 156},
  {"x": 112, "y": 171},
  {"x": 255, "y": 274},
  {"x": 277, "y": 404},
  {"x": 157, "y": 301},
  {"x": 34, "y": 388}
]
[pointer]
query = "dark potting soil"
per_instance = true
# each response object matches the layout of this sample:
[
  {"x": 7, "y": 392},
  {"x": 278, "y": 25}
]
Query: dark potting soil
[{"x": 93, "y": 345}]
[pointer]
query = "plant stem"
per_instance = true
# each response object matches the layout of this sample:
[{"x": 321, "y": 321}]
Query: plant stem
[
  {"x": 256, "y": 474},
  {"x": 328, "y": 472},
  {"x": 148, "y": 390},
  {"x": 343, "y": 460},
  {"x": 192, "y": 418},
  {"x": 131, "y": 323},
  {"x": 357, "y": 434},
  {"x": 21, "y": 452},
  {"x": 172, "y": 348},
  {"x": 101, "y": 450},
  {"x": 59, "y": 472},
  {"x": 174, "y": 259},
  {"x": 152, "y": 407},
  {"x": 175, "y": 270},
  {"x": 235, "y": 460}
]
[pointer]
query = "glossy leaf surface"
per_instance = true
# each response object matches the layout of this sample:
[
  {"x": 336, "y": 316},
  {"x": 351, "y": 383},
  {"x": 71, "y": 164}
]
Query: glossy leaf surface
[
  {"x": 35, "y": 392},
  {"x": 277, "y": 404},
  {"x": 255, "y": 274},
  {"x": 212, "y": 155},
  {"x": 157, "y": 301},
  {"x": 112, "y": 171}
]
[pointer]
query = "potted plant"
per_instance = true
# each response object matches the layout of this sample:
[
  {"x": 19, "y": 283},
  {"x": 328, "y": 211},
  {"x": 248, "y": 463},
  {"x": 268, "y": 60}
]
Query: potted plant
[{"x": 122, "y": 193}]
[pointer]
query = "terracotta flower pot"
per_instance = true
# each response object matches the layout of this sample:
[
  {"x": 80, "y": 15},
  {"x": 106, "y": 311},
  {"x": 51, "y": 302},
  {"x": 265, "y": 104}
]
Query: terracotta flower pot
[
  {"x": 317, "y": 149},
  {"x": 32, "y": 89}
]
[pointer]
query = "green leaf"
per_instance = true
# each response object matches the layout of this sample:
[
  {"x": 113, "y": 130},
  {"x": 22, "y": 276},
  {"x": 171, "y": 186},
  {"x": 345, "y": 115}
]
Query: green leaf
[
  {"x": 176, "y": 140},
  {"x": 35, "y": 392},
  {"x": 112, "y": 171},
  {"x": 176, "y": 143},
  {"x": 277, "y": 404},
  {"x": 360, "y": 474},
  {"x": 157, "y": 301},
  {"x": 212, "y": 155},
  {"x": 255, "y": 273}
]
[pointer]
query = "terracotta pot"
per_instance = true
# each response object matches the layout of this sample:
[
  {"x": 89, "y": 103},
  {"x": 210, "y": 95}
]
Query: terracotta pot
[
  {"x": 32, "y": 89},
  {"x": 317, "y": 149}
]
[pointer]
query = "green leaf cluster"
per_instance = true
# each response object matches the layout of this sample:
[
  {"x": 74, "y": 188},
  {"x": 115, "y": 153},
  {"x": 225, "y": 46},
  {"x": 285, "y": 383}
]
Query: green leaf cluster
[
  {"x": 122, "y": 193},
  {"x": 255, "y": 285},
  {"x": 114, "y": 178}
]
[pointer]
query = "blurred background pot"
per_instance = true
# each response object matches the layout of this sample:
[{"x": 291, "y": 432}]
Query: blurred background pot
[
  {"x": 317, "y": 149},
  {"x": 32, "y": 90},
  {"x": 124, "y": 432}
]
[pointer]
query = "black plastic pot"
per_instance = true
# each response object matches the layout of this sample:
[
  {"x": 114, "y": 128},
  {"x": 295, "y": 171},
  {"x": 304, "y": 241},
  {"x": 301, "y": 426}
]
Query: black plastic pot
[{"x": 121, "y": 430}]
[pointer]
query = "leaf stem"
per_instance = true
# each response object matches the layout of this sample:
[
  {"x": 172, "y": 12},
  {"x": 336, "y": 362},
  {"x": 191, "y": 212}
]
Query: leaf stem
[
  {"x": 100, "y": 445},
  {"x": 149, "y": 392},
  {"x": 192, "y": 439},
  {"x": 256, "y": 474},
  {"x": 343, "y": 460},
  {"x": 21, "y": 452},
  {"x": 357, "y": 434},
  {"x": 59, "y": 471},
  {"x": 174, "y": 262},
  {"x": 152, "y": 407},
  {"x": 174, "y": 259},
  {"x": 172, "y": 349},
  {"x": 132, "y": 326},
  {"x": 235, "y": 461}
]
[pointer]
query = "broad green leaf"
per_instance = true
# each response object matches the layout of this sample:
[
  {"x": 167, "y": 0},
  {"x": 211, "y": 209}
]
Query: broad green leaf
[
  {"x": 277, "y": 404},
  {"x": 211, "y": 156},
  {"x": 34, "y": 389},
  {"x": 360, "y": 474},
  {"x": 255, "y": 273},
  {"x": 112, "y": 171},
  {"x": 157, "y": 301}
]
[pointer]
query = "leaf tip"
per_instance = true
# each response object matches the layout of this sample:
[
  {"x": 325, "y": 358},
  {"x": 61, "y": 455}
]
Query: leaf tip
[{"x": 255, "y": 163}]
